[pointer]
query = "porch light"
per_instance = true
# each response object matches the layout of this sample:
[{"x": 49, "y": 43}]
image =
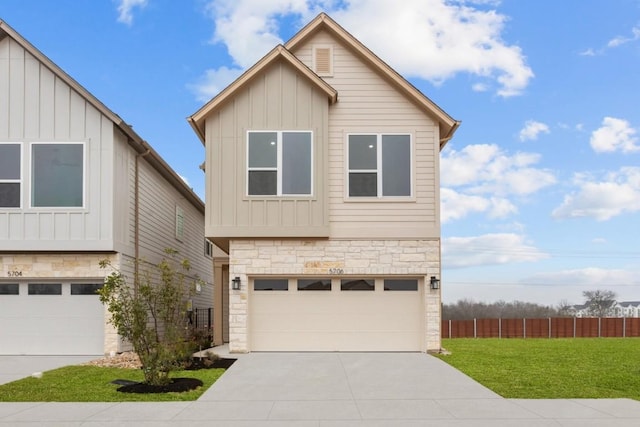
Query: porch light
[
  {"x": 435, "y": 283},
  {"x": 235, "y": 283}
]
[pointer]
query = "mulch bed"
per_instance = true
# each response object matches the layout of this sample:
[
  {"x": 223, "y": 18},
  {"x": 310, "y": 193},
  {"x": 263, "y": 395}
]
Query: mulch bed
[{"x": 177, "y": 385}]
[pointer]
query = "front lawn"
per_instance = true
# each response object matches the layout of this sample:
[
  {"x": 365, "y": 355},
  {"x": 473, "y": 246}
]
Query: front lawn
[
  {"x": 550, "y": 368},
  {"x": 93, "y": 384}
]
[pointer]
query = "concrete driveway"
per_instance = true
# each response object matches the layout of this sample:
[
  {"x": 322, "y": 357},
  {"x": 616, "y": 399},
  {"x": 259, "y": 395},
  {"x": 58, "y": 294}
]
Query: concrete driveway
[
  {"x": 335, "y": 389},
  {"x": 16, "y": 367}
]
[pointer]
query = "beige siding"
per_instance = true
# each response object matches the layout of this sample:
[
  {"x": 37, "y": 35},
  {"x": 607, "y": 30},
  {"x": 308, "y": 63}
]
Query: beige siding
[
  {"x": 367, "y": 103},
  {"x": 279, "y": 99},
  {"x": 158, "y": 200},
  {"x": 37, "y": 106}
]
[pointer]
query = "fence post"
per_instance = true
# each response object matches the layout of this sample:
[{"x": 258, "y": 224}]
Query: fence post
[
  {"x": 624, "y": 327},
  {"x": 599, "y": 327},
  {"x": 524, "y": 328},
  {"x": 574, "y": 326},
  {"x": 449, "y": 328},
  {"x": 549, "y": 327},
  {"x": 475, "y": 328},
  {"x": 500, "y": 327}
]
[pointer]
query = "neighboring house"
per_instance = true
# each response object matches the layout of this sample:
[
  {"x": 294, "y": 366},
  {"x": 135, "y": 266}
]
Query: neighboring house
[
  {"x": 322, "y": 184},
  {"x": 77, "y": 185},
  {"x": 627, "y": 309}
]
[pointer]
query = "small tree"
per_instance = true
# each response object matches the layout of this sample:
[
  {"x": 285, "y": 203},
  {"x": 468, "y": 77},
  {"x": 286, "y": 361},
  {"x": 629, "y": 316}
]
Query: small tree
[
  {"x": 599, "y": 302},
  {"x": 151, "y": 314}
]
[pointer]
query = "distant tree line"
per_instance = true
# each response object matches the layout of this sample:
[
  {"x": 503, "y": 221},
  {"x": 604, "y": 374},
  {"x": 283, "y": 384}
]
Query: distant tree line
[
  {"x": 467, "y": 309},
  {"x": 598, "y": 303}
]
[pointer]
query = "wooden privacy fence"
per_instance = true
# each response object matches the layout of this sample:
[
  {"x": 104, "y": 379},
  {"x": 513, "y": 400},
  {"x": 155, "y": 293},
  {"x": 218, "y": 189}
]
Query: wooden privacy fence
[{"x": 551, "y": 327}]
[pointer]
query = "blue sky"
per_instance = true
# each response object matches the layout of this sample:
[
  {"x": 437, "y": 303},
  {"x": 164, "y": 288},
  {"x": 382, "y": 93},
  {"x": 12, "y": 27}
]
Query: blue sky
[{"x": 541, "y": 183}]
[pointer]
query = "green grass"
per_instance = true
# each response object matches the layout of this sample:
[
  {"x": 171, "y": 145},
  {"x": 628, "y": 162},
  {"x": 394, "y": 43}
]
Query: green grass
[
  {"x": 551, "y": 368},
  {"x": 93, "y": 384}
]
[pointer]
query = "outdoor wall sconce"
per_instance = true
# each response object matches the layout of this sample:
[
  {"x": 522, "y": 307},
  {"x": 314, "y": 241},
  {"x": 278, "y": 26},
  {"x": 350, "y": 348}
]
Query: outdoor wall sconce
[
  {"x": 435, "y": 283},
  {"x": 235, "y": 283}
]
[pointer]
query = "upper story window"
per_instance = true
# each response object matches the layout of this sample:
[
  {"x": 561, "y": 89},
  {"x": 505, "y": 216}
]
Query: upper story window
[
  {"x": 57, "y": 175},
  {"x": 279, "y": 163},
  {"x": 379, "y": 165},
  {"x": 10, "y": 175}
]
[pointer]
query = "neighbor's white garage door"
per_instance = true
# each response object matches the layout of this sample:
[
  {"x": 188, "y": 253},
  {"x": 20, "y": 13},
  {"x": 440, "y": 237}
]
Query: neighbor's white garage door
[
  {"x": 51, "y": 318},
  {"x": 336, "y": 315}
]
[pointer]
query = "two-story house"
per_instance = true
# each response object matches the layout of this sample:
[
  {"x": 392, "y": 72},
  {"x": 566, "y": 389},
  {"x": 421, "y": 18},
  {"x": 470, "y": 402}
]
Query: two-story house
[
  {"x": 322, "y": 184},
  {"x": 78, "y": 185}
]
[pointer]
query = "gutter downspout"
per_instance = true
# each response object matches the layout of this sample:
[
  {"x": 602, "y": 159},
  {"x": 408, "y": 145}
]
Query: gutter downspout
[{"x": 136, "y": 215}]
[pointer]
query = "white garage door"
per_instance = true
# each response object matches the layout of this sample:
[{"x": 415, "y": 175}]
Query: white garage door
[
  {"x": 51, "y": 318},
  {"x": 336, "y": 315}
]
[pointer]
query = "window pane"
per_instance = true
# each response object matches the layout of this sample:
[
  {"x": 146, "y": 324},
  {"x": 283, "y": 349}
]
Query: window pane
[
  {"x": 396, "y": 165},
  {"x": 296, "y": 163},
  {"x": 363, "y": 152},
  {"x": 314, "y": 284},
  {"x": 263, "y": 149},
  {"x": 9, "y": 195},
  {"x": 85, "y": 288},
  {"x": 45, "y": 289},
  {"x": 263, "y": 183},
  {"x": 363, "y": 185},
  {"x": 357, "y": 285},
  {"x": 9, "y": 289},
  {"x": 271, "y": 285},
  {"x": 57, "y": 175},
  {"x": 9, "y": 161},
  {"x": 400, "y": 284}
]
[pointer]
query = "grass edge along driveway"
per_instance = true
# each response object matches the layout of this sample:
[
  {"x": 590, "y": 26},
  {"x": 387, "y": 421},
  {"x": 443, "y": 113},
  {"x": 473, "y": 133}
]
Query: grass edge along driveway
[
  {"x": 80, "y": 383},
  {"x": 550, "y": 368}
]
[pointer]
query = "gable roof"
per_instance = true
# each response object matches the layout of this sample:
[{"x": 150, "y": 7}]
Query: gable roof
[
  {"x": 141, "y": 146},
  {"x": 447, "y": 124},
  {"x": 278, "y": 53}
]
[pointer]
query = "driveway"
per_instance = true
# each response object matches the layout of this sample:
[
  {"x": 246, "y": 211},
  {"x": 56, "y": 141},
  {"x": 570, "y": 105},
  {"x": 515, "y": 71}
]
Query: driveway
[
  {"x": 335, "y": 389},
  {"x": 16, "y": 367}
]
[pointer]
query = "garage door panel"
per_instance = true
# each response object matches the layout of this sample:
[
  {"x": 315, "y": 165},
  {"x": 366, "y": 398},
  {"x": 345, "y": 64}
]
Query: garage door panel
[
  {"x": 51, "y": 324},
  {"x": 336, "y": 320}
]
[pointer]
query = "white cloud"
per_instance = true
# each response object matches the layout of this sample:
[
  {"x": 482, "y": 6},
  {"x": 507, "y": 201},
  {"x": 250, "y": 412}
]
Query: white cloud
[
  {"x": 532, "y": 129},
  {"x": 620, "y": 40},
  {"x": 429, "y": 39},
  {"x": 213, "y": 81},
  {"x": 488, "y": 249},
  {"x": 481, "y": 178},
  {"x": 614, "y": 135},
  {"x": 125, "y": 8},
  {"x": 615, "y": 194},
  {"x": 591, "y": 276},
  {"x": 485, "y": 168}
]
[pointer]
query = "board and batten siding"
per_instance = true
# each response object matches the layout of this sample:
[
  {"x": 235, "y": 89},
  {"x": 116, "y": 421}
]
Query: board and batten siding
[
  {"x": 280, "y": 99},
  {"x": 370, "y": 104},
  {"x": 38, "y": 106}
]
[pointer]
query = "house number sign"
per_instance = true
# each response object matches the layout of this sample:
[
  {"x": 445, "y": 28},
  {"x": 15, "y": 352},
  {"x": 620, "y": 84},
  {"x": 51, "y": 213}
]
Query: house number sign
[{"x": 14, "y": 273}]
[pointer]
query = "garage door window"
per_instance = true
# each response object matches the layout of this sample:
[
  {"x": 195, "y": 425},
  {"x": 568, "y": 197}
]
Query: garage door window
[
  {"x": 400, "y": 284},
  {"x": 271, "y": 285},
  {"x": 9, "y": 289},
  {"x": 45, "y": 289},
  {"x": 85, "y": 288},
  {"x": 357, "y": 285},
  {"x": 314, "y": 284}
]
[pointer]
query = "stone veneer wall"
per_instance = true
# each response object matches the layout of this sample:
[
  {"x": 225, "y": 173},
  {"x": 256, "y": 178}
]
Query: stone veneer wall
[
  {"x": 335, "y": 258},
  {"x": 72, "y": 266}
]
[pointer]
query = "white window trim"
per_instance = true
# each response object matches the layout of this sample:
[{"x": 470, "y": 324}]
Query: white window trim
[
  {"x": 378, "y": 170},
  {"x": 278, "y": 167},
  {"x": 19, "y": 180},
  {"x": 84, "y": 176},
  {"x": 180, "y": 223}
]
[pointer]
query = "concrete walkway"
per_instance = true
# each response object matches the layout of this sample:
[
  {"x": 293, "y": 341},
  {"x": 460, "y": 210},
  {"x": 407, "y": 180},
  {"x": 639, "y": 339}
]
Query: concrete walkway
[{"x": 335, "y": 389}]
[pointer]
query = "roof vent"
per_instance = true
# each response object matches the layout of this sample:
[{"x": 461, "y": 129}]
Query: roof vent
[{"x": 323, "y": 60}]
